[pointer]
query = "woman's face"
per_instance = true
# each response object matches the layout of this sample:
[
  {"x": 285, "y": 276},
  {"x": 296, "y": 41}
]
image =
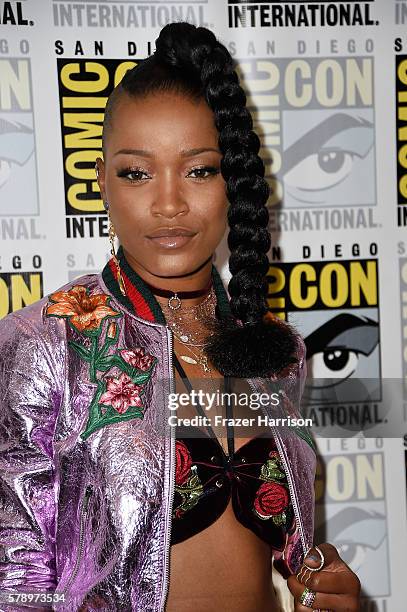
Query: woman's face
[{"x": 161, "y": 177}]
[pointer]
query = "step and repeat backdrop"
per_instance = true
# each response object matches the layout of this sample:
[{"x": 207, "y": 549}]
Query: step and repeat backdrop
[{"x": 327, "y": 85}]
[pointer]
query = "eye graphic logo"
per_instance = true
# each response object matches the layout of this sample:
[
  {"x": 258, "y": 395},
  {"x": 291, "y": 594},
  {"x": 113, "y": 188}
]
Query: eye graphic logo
[
  {"x": 342, "y": 346},
  {"x": 328, "y": 159},
  {"x": 351, "y": 513},
  {"x": 18, "y": 171},
  {"x": 316, "y": 119},
  {"x": 335, "y": 307}
]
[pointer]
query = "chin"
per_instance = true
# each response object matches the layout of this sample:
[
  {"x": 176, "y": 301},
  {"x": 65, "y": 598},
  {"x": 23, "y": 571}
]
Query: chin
[{"x": 166, "y": 269}]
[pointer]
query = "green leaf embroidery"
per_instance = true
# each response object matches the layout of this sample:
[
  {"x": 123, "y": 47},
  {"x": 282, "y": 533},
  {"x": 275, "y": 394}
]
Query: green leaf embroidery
[
  {"x": 303, "y": 433},
  {"x": 190, "y": 492},
  {"x": 269, "y": 471},
  {"x": 76, "y": 306},
  {"x": 81, "y": 350},
  {"x": 279, "y": 519}
]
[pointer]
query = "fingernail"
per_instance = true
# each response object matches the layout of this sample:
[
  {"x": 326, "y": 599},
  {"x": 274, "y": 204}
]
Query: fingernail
[{"x": 313, "y": 558}]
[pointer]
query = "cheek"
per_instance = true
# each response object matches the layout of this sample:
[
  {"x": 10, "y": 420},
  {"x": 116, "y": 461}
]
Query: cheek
[
  {"x": 219, "y": 211},
  {"x": 127, "y": 209},
  {"x": 213, "y": 214}
]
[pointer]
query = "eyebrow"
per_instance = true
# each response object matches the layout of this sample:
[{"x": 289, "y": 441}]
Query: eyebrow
[{"x": 144, "y": 153}]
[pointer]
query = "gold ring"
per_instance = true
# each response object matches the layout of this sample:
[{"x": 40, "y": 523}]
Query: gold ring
[
  {"x": 315, "y": 569},
  {"x": 301, "y": 573},
  {"x": 306, "y": 580}
]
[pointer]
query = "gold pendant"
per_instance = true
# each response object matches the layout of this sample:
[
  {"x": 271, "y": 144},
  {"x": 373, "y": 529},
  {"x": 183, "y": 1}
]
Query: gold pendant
[
  {"x": 188, "y": 359},
  {"x": 204, "y": 363}
]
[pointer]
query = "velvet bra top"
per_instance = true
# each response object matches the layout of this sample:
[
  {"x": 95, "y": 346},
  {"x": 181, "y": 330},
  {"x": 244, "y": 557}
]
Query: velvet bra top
[{"x": 206, "y": 478}]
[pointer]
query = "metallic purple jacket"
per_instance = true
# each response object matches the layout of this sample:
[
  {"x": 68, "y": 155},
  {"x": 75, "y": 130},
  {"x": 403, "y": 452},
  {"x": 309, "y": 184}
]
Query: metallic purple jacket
[{"x": 86, "y": 474}]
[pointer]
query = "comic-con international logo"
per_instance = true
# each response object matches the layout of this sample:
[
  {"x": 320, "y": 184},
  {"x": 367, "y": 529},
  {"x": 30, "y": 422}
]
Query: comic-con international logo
[
  {"x": 18, "y": 171},
  {"x": 316, "y": 119},
  {"x": 335, "y": 306},
  {"x": 282, "y": 14},
  {"x": 127, "y": 13},
  {"x": 351, "y": 513},
  {"x": 84, "y": 86},
  {"x": 401, "y": 137},
  {"x": 20, "y": 288}
]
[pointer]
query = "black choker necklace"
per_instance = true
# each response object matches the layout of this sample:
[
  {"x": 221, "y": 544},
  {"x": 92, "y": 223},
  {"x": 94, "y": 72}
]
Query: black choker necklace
[{"x": 175, "y": 297}]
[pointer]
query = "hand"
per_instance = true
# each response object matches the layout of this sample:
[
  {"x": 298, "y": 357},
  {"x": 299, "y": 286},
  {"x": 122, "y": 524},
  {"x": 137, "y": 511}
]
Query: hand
[{"x": 337, "y": 588}]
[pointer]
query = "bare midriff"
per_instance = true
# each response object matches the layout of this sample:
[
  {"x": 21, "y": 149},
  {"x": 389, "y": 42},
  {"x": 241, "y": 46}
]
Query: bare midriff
[{"x": 223, "y": 568}]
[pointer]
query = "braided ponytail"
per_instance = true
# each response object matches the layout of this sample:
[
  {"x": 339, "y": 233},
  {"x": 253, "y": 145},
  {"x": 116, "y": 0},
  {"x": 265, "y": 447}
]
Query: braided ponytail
[{"x": 192, "y": 61}]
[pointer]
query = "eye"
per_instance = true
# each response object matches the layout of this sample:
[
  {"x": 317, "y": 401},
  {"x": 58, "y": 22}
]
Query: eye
[
  {"x": 334, "y": 362},
  {"x": 203, "y": 172},
  {"x": 134, "y": 175},
  {"x": 5, "y": 171},
  {"x": 321, "y": 170}
]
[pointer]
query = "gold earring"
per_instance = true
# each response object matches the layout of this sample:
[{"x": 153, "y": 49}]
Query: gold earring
[{"x": 112, "y": 236}]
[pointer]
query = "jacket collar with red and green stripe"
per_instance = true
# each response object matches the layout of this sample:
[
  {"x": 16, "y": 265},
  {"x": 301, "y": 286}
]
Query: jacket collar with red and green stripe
[{"x": 141, "y": 301}]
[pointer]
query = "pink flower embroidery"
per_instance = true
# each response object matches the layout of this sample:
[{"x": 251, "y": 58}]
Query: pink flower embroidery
[
  {"x": 137, "y": 358},
  {"x": 121, "y": 393}
]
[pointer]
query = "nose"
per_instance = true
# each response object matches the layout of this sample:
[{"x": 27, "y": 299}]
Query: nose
[{"x": 169, "y": 200}]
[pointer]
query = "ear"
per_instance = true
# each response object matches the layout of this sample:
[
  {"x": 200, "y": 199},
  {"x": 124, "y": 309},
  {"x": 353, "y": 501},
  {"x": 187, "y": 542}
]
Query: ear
[{"x": 100, "y": 174}]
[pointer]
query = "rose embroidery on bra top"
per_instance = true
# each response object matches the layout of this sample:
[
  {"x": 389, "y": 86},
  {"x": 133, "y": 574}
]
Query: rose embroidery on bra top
[
  {"x": 187, "y": 481},
  {"x": 272, "y": 498},
  {"x": 117, "y": 398}
]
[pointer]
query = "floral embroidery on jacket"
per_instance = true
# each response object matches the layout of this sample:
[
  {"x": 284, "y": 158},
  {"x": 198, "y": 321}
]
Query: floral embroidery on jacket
[
  {"x": 84, "y": 312},
  {"x": 272, "y": 498},
  {"x": 117, "y": 398},
  {"x": 187, "y": 481}
]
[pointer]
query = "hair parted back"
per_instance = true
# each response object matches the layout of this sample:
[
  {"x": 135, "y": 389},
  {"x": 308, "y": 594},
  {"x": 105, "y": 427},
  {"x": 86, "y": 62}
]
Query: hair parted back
[{"x": 191, "y": 61}]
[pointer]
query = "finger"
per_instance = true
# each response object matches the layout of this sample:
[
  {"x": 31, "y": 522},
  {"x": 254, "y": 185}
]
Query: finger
[
  {"x": 300, "y": 608},
  {"x": 325, "y": 581},
  {"x": 324, "y": 601},
  {"x": 313, "y": 557}
]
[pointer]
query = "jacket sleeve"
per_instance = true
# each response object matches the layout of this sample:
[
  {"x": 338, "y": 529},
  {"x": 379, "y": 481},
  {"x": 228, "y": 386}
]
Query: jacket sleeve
[{"x": 31, "y": 378}]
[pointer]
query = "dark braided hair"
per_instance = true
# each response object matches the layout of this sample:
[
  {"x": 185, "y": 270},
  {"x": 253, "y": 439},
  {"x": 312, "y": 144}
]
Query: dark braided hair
[{"x": 191, "y": 61}]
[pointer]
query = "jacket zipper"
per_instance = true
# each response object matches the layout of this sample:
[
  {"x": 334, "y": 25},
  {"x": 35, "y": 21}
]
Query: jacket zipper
[
  {"x": 84, "y": 511},
  {"x": 287, "y": 469},
  {"x": 172, "y": 487}
]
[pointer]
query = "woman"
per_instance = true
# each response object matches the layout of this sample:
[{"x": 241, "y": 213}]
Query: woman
[{"x": 101, "y": 506}]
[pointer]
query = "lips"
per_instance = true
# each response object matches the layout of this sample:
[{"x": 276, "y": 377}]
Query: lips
[
  {"x": 171, "y": 231},
  {"x": 171, "y": 237}
]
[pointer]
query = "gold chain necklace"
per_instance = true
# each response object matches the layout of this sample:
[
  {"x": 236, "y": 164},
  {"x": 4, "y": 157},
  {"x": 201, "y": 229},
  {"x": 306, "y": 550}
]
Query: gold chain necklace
[
  {"x": 200, "y": 360},
  {"x": 182, "y": 322}
]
